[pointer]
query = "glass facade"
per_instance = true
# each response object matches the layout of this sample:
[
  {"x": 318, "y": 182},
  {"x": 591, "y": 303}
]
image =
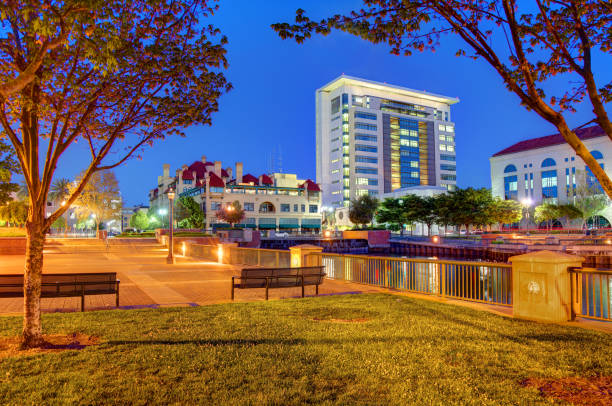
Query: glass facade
[
  {"x": 549, "y": 184},
  {"x": 511, "y": 187}
]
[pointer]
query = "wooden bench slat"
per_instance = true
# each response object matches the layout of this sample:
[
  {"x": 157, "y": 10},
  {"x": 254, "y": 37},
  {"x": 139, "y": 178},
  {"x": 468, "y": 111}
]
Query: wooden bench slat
[{"x": 271, "y": 278}]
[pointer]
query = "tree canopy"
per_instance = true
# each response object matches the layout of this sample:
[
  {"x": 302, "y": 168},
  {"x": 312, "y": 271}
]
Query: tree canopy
[
  {"x": 362, "y": 209},
  {"x": 231, "y": 213},
  {"x": 8, "y": 165},
  {"x": 112, "y": 76},
  {"x": 99, "y": 199},
  {"x": 189, "y": 214},
  {"x": 530, "y": 46}
]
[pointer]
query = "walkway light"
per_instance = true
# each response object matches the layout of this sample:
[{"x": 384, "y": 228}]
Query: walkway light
[{"x": 170, "y": 259}]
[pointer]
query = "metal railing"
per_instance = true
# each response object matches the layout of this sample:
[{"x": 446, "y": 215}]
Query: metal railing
[
  {"x": 590, "y": 293},
  {"x": 474, "y": 281}
]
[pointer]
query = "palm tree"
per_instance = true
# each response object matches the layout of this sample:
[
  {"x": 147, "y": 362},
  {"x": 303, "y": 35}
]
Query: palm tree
[{"x": 59, "y": 190}]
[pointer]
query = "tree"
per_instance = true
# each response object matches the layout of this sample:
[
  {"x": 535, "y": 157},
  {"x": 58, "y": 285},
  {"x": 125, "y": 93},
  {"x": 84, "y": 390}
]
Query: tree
[
  {"x": 506, "y": 212},
  {"x": 15, "y": 213},
  {"x": 425, "y": 212},
  {"x": 189, "y": 213},
  {"x": 471, "y": 207},
  {"x": 112, "y": 76},
  {"x": 60, "y": 223},
  {"x": 546, "y": 212},
  {"x": 140, "y": 220},
  {"x": 8, "y": 166},
  {"x": 99, "y": 198},
  {"x": 588, "y": 199},
  {"x": 391, "y": 211},
  {"x": 527, "y": 50},
  {"x": 59, "y": 190},
  {"x": 411, "y": 208},
  {"x": 362, "y": 209},
  {"x": 231, "y": 213}
]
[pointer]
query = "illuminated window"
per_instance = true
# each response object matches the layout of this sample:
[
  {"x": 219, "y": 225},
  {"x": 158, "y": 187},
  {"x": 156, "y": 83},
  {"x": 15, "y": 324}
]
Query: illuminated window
[
  {"x": 442, "y": 147},
  {"x": 450, "y": 129}
]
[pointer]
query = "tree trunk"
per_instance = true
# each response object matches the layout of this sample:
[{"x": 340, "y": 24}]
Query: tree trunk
[{"x": 32, "y": 330}]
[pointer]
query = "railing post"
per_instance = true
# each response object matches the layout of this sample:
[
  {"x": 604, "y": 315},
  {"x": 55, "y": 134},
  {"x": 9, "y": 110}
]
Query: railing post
[
  {"x": 277, "y": 259},
  {"x": 343, "y": 266},
  {"x": 541, "y": 288},
  {"x": 442, "y": 278},
  {"x": 258, "y": 258}
]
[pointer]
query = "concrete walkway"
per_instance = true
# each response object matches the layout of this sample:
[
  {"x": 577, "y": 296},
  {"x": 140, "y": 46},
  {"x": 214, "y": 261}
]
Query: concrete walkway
[{"x": 147, "y": 281}]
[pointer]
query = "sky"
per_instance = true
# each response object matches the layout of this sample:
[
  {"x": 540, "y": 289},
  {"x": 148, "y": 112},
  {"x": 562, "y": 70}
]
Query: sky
[{"x": 271, "y": 109}]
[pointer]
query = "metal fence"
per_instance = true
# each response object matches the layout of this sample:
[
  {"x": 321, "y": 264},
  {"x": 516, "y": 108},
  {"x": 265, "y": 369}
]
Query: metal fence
[
  {"x": 590, "y": 290},
  {"x": 474, "y": 281}
]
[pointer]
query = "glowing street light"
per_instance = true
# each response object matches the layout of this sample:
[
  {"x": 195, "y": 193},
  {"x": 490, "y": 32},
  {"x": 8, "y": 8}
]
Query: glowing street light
[
  {"x": 527, "y": 202},
  {"x": 170, "y": 259}
]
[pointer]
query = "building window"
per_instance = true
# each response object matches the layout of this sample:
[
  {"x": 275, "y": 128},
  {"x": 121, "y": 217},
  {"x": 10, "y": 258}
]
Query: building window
[
  {"x": 214, "y": 206},
  {"x": 313, "y": 208},
  {"x": 409, "y": 143},
  {"x": 335, "y": 105},
  {"x": 285, "y": 207},
  {"x": 367, "y": 116},
  {"x": 510, "y": 168},
  {"x": 303, "y": 208},
  {"x": 450, "y": 148},
  {"x": 446, "y": 167},
  {"x": 442, "y": 147},
  {"x": 266, "y": 207},
  {"x": 591, "y": 180},
  {"x": 441, "y": 127},
  {"x": 371, "y": 171},
  {"x": 335, "y": 171},
  {"x": 365, "y": 148},
  {"x": 366, "y": 159},
  {"x": 216, "y": 189},
  {"x": 450, "y": 129},
  {"x": 249, "y": 207},
  {"x": 187, "y": 181},
  {"x": 364, "y": 126},
  {"x": 549, "y": 184},
  {"x": 447, "y": 157},
  {"x": 511, "y": 187},
  {"x": 295, "y": 207},
  {"x": 365, "y": 137},
  {"x": 448, "y": 177},
  {"x": 548, "y": 162}
]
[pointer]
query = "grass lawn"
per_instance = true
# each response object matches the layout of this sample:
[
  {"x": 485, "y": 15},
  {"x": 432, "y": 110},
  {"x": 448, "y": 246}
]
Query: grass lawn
[
  {"x": 368, "y": 349},
  {"x": 12, "y": 232}
]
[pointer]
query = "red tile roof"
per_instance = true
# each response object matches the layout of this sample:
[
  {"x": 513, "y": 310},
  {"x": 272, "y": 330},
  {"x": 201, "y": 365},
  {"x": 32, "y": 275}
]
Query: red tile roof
[
  {"x": 187, "y": 174},
  {"x": 248, "y": 178},
  {"x": 199, "y": 167},
  {"x": 266, "y": 180},
  {"x": 310, "y": 186},
  {"x": 216, "y": 181},
  {"x": 550, "y": 140},
  {"x": 224, "y": 173}
]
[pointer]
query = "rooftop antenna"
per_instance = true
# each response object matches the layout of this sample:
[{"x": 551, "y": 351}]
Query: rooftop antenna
[{"x": 280, "y": 159}]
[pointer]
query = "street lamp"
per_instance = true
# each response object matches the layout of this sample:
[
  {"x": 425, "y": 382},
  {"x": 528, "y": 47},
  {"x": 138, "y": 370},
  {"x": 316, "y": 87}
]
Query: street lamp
[
  {"x": 170, "y": 259},
  {"x": 527, "y": 202}
]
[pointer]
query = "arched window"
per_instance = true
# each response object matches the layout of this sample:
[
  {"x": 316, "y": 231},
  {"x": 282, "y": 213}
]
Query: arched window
[
  {"x": 596, "y": 154},
  {"x": 266, "y": 207},
  {"x": 510, "y": 168},
  {"x": 548, "y": 162}
]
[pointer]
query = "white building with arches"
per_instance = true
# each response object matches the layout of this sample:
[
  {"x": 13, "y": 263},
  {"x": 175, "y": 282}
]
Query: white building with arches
[
  {"x": 279, "y": 201},
  {"x": 545, "y": 169}
]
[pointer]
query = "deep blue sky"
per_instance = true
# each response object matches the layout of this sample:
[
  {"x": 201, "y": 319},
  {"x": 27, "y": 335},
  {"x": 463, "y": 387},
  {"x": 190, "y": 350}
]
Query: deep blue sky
[{"x": 272, "y": 105}]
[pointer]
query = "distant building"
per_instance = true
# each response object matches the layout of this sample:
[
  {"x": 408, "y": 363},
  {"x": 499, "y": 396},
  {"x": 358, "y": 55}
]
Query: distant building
[
  {"x": 278, "y": 201},
  {"x": 374, "y": 138},
  {"x": 545, "y": 169}
]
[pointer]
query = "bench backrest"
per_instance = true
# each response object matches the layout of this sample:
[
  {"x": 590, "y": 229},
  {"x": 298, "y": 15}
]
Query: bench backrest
[
  {"x": 256, "y": 277},
  {"x": 63, "y": 284}
]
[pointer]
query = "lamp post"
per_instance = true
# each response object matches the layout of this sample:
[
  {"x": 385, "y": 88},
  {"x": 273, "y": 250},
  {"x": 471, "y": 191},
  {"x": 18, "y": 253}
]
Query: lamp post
[
  {"x": 527, "y": 202},
  {"x": 170, "y": 259}
]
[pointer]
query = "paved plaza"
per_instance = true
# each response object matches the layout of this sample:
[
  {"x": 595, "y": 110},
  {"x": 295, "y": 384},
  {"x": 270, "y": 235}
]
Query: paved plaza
[{"x": 147, "y": 281}]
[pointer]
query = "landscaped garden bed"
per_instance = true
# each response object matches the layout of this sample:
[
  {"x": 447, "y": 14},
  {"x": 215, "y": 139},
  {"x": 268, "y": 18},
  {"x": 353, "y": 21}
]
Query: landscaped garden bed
[{"x": 374, "y": 349}]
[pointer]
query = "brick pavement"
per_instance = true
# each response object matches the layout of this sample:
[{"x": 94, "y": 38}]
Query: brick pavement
[{"x": 146, "y": 279}]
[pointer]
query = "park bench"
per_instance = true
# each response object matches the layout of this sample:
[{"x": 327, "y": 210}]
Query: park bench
[
  {"x": 65, "y": 285},
  {"x": 273, "y": 278}
]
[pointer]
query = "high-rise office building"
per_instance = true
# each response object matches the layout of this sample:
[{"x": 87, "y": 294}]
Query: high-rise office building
[{"x": 375, "y": 138}]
